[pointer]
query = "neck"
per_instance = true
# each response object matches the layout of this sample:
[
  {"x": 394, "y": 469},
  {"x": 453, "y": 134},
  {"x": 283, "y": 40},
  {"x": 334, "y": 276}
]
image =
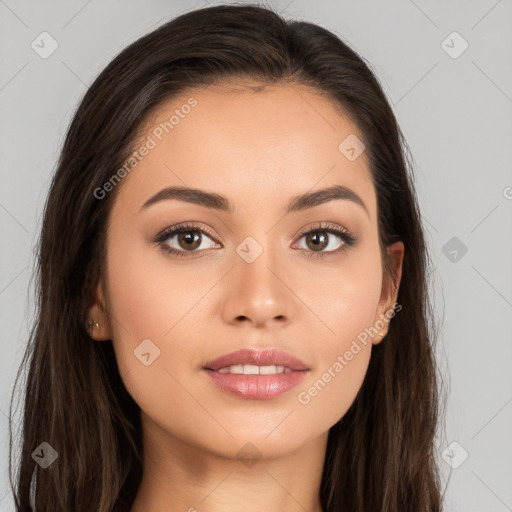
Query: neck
[{"x": 188, "y": 478}]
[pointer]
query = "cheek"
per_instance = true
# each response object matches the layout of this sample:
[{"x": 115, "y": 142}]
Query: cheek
[
  {"x": 147, "y": 295},
  {"x": 347, "y": 307},
  {"x": 147, "y": 304},
  {"x": 330, "y": 392},
  {"x": 344, "y": 298},
  {"x": 341, "y": 365}
]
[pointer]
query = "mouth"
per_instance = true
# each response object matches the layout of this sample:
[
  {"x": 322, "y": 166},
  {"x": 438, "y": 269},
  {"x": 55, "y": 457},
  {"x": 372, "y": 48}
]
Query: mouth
[
  {"x": 271, "y": 360},
  {"x": 256, "y": 374},
  {"x": 251, "y": 369}
]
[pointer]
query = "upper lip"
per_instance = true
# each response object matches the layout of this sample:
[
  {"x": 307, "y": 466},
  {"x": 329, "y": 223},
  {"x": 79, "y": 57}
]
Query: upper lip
[{"x": 264, "y": 357}]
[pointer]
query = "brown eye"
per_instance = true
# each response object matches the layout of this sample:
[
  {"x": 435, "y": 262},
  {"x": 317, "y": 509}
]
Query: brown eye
[
  {"x": 189, "y": 240},
  {"x": 325, "y": 240},
  {"x": 185, "y": 240},
  {"x": 317, "y": 241},
  {"x": 320, "y": 239}
]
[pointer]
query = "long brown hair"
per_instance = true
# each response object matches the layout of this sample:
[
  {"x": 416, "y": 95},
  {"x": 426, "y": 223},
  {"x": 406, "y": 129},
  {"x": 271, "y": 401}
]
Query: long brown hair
[{"x": 380, "y": 455}]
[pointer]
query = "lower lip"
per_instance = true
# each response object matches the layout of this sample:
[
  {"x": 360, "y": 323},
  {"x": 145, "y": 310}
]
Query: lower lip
[{"x": 257, "y": 387}]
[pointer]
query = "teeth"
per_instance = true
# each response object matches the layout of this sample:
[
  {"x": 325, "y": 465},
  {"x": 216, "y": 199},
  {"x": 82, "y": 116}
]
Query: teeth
[
  {"x": 251, "y": 369},
  {"x": 270, "y": 370}
]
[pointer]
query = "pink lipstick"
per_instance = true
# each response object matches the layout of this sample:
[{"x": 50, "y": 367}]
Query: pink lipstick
[{"x": 256, "y": 374}]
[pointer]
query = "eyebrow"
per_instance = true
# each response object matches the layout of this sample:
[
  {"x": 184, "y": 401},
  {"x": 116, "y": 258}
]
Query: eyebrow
[{"x": 221, "y": 203}]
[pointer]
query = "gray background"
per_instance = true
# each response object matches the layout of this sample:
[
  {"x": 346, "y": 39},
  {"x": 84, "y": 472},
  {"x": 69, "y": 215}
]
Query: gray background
[{"x": 455, "y": 110}]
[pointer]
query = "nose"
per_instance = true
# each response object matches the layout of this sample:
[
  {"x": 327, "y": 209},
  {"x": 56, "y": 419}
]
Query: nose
[{"x": 257, "y": 294}]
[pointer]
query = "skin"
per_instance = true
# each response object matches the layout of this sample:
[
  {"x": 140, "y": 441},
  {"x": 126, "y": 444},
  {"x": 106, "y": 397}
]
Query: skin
[{"x": 259, "y": 149}]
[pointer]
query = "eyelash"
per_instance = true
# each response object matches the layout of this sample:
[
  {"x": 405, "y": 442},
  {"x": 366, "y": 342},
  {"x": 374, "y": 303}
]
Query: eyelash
[{"x": 347, "y": 238}]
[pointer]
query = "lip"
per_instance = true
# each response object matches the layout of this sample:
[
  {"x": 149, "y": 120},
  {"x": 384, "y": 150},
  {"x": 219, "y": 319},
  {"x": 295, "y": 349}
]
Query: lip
[
  {"x": 257, "y": 357},
  {"x": 257, "y": 387}
]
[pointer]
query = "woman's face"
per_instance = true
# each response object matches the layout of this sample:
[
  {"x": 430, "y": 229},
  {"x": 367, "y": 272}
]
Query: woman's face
[{"x": 248, "y": 276}]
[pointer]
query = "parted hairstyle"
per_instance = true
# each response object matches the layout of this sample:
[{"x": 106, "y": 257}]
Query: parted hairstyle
[{"x": 381, "y": 454}]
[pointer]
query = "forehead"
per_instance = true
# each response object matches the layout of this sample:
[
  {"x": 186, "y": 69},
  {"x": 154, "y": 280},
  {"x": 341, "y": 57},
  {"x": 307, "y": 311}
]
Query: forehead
[{"x": 250, "y": 142}]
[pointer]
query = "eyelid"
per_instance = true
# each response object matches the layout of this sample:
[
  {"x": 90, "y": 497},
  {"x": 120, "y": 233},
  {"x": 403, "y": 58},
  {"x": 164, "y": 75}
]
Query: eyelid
[
  {"x": 329, "y": 226},
  {"x": 172, "y": 231},
  {"x": 341, "y": 232},
  {"x": 185, "y": 226}
]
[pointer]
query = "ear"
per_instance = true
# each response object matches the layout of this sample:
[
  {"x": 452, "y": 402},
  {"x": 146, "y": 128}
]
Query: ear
[
  {"x": 389, "y": 294},
  {"x": 98, "y": 326}
]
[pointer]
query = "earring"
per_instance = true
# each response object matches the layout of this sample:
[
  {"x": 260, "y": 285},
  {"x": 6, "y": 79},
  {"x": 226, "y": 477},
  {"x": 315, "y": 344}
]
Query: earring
[
  {"x": 382, "y": 334},
  {"x": 91, "y": 323}
]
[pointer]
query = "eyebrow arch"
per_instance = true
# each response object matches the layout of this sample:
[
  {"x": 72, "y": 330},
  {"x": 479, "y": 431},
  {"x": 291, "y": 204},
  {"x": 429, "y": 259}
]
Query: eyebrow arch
[{"x": 221, "y": 203}]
